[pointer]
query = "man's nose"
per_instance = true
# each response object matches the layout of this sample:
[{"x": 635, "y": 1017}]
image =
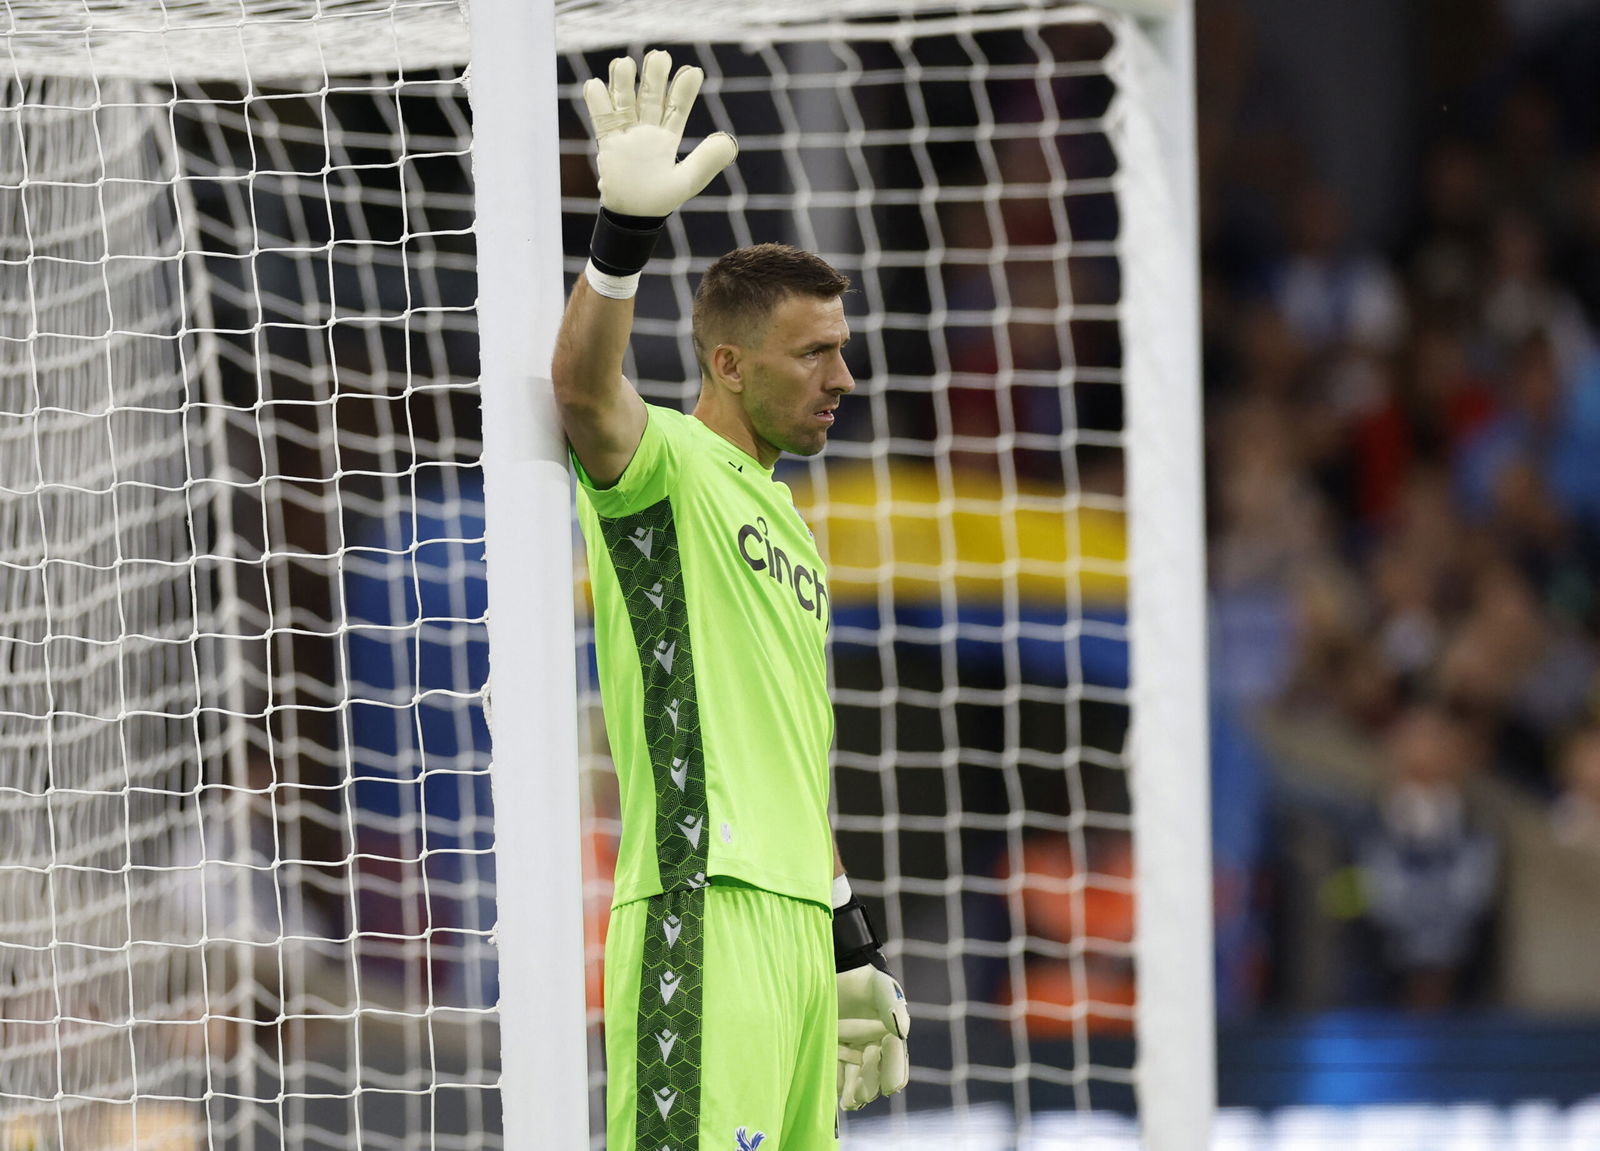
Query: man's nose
[{"x": 843, "y": 381}]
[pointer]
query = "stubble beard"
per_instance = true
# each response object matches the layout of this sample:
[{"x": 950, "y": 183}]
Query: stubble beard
[{"x": 800, "y": 440}]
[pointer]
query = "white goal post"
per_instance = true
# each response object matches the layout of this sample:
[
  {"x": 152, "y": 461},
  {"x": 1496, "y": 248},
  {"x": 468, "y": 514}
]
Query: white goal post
[
  {"x": 543, "y": 1043},
  {"x": 1167, "y": 589},
  {"x": 281, "y": 485}
]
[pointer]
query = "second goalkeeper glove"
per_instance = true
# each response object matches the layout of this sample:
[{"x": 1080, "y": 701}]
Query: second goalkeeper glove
[{"x": 873, "y": 1021}]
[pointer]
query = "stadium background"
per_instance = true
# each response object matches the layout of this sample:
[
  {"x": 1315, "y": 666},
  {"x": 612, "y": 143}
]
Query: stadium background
[{"x": 1401, "y": 208}]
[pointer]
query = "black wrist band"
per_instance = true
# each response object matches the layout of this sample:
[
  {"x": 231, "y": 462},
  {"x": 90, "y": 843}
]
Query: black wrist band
[
  {"x": 621, "y": 245},
  {"x": 855, "y": 944}
]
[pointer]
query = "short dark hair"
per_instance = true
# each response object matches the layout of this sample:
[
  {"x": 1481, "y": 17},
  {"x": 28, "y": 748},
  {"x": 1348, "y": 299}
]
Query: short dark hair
[{"x": 738, "y": 293}]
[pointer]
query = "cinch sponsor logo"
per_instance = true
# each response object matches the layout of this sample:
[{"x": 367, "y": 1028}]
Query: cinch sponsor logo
[{"x": 758, "y": 550}]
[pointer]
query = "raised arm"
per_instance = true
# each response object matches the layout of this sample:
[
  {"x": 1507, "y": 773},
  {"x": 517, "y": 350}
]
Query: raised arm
[
  {"x": 637, "y": 133},
  {"x": 601, "y": 412}
]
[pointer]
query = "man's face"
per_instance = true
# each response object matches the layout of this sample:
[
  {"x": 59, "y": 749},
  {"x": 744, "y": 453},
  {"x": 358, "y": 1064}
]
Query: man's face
[{"x": 797, "y": 375}]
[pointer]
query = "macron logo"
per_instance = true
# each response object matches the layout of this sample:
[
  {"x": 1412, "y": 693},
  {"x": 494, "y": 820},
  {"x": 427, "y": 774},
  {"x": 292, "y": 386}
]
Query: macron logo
[
  {"x": 664, "y": 1101},
  {"x": 691, "y": 828},
  {"x": 643, "y": 540},
  {"x": 679, "y": 772},
  {"x": 655, "y": 595},
  {"x": 664, "y": 1040},
  {"x": 665, "y": 654},
  {"x": 670, "y": 927},
  {"x": 672, "y": 714},
  {"x": 670, "y": 982}
]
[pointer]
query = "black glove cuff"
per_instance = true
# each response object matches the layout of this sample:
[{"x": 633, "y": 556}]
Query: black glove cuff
[
  {"x": 855, "y": 944},
  {"x": 621, "y": 245}
]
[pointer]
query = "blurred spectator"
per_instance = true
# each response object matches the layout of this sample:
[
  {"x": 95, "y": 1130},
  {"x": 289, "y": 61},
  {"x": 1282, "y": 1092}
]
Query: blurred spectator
[
  {"x": 1416, "y": 416},
  {"x": 1410, "y": 630},
  {"x": 1332, "y": 294},
  {"x": 1339, "y": 674},
  {"x": 1523, "y": 303},
  {"x": 1269, "y": 526},
  {"x": 1446, "y": 262},
  {"x": 1429, "y": 869},
  {"x": 1536, "y": 462},
  {"x": 1521, "y": 675},
  {"x": 1547, "y": 668}
]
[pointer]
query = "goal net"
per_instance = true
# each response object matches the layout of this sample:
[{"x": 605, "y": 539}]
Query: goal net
[
  {"x": 245, "y": 873},
  {"x": 247, "y": 878}
]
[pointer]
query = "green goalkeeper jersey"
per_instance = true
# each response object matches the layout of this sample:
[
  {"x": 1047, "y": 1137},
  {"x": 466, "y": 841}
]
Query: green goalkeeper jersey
[{"x": 711, "y": 617}]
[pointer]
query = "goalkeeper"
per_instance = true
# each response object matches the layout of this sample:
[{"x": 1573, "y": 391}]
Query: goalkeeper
[{"x": 746, "y": 994}]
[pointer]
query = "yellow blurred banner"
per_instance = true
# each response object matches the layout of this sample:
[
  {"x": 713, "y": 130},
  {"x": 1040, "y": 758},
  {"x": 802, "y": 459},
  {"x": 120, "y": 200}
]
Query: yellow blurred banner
[{"x": 908, "y": 525}]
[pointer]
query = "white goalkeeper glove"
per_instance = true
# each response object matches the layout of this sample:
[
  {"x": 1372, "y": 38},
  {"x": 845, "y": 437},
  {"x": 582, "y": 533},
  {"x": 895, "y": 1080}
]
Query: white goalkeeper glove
[
  {"x": 873, "y": 1021},
  {"x": 642, "y": 181},
  {"x": 638, "y": 134}
]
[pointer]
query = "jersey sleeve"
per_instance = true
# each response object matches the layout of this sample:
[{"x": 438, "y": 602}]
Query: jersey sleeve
[{"x": 649, "y": 476}]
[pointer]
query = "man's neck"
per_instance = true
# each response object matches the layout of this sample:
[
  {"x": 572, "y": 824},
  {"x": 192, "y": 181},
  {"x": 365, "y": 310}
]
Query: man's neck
[{"x": 728, "y": 420}]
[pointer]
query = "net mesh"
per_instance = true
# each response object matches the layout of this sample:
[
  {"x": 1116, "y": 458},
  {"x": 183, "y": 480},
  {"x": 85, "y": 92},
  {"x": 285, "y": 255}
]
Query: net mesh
[
  {"x": 241, "y": 536},
  {"x": 100, "y": 612},
  {"x": 241, "y": 40},
  {"x": 246, "y": 883}
]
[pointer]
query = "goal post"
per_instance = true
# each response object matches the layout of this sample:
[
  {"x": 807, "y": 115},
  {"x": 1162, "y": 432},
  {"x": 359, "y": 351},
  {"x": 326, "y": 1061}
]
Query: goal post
[
  {"x": 1167, "y": 589},
  {"x": 528, "y": 497}
]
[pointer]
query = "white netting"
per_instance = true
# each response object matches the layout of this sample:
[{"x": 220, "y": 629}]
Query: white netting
[
  {"x": 98, "y": 990},
  {"x": 245, "y": 875},
  {"x": 585, "y": 25},
  {"x": 240, "y": 40},
  {"x": 245, "y": 881}
]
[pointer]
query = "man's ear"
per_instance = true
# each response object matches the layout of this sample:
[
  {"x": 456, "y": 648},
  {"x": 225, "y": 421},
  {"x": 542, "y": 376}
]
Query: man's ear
[{"x": 727, "y": 366}]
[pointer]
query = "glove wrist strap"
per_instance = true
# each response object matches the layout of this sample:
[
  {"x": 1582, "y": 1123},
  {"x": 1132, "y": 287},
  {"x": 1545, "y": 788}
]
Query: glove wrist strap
[
  {"x": 611, "y": 287},
  {"x": 621, "y": 245},
  {"x": 855, "y": 944}
]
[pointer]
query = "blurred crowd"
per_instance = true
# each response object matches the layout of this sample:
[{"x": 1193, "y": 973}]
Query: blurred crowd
[{"x": 1404, "y": 519}]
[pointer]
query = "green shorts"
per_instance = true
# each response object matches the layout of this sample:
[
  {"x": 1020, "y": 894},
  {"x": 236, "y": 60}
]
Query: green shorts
[{"x": 721, "y": 1023}]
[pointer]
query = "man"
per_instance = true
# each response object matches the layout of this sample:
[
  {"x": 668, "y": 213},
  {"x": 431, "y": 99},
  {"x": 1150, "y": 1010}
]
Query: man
[{"x": 729, "y": 1024}]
